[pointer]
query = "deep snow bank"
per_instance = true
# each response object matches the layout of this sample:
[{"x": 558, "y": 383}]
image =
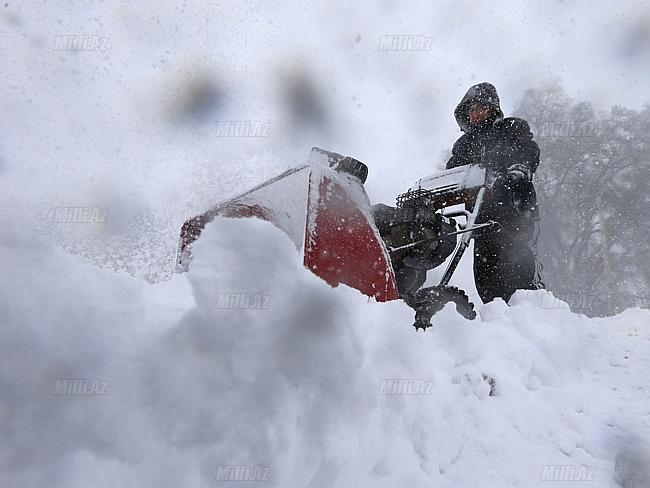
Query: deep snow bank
[{"x": 307, "y": 385}]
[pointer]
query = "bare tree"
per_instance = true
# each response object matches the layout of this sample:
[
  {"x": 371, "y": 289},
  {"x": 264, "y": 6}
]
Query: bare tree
[{"x": 592, "y": 188}]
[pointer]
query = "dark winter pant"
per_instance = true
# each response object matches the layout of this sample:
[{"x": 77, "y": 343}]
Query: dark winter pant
[{"x": 504, "y": 260}]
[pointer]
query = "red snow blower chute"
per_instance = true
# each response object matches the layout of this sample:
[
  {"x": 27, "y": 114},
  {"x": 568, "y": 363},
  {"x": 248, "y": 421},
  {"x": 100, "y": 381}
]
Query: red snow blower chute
[{"x": 382, "y": 251}]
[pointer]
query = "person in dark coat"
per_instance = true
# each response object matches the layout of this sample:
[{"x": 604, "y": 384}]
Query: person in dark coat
[{"x": 505, "y": 256}]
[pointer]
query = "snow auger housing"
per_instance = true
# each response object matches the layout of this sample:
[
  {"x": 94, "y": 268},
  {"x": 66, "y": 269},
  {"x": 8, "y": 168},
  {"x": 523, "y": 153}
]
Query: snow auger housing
[{"x": 382, "y": 251}]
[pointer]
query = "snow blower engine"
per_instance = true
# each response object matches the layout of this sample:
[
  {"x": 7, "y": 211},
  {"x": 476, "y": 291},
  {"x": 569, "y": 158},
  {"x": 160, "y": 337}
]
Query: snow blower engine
[{"x": 382, "y": 251}]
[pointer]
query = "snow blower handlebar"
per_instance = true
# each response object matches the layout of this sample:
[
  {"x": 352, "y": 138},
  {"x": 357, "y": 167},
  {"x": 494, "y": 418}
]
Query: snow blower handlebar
[{"x": 464, "y": 240}]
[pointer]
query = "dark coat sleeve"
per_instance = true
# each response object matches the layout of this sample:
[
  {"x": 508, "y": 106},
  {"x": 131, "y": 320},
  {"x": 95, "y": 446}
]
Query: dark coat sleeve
[
  {"x": 458, "y": 153},
  {"x": 524, "y": 151}
]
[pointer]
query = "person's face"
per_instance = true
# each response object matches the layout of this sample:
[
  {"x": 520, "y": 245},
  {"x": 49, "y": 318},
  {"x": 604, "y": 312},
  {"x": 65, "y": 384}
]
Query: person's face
[{"x": 478, "y": 114}]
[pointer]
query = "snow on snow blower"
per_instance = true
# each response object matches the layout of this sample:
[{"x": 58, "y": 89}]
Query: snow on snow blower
[{"x": 382, "y": 251}]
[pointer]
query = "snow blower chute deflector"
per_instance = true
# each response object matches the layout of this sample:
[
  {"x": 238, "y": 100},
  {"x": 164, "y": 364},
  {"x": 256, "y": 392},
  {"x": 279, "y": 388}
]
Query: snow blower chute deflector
[{"x": 384, "y": 252}]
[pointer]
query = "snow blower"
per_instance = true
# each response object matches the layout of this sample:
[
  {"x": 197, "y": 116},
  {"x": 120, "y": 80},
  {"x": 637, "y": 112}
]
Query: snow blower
[{"x": 382, "y": 251}]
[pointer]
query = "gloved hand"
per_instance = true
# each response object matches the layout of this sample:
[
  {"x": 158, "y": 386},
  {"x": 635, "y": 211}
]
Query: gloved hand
[
  {"x": 516, "y": 178},
  {"x": 514, "y": 186}
]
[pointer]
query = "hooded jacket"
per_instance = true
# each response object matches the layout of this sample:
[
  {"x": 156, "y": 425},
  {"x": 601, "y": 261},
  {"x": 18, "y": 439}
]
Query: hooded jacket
[{"x": 502, "y": 144}]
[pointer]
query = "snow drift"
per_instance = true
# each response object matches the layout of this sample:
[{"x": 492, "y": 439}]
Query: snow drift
[{"x": 249, "y": 367}]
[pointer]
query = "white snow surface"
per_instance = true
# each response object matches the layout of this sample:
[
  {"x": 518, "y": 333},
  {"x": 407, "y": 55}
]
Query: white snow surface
[{"x": 296, "y": 387}]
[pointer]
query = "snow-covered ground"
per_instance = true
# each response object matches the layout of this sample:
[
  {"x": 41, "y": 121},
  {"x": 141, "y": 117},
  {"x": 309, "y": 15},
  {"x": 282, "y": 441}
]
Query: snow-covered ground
[{"x": 310, "y": 386}]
